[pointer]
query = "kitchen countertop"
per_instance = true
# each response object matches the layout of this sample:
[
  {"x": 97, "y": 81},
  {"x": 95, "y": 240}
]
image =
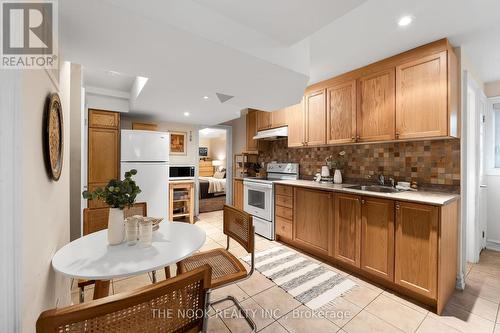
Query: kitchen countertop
[{"x": 425, "y": 197}]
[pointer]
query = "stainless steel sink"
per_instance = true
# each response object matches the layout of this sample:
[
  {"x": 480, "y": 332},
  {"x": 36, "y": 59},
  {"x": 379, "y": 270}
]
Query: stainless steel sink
[{"x": 374, "y": 188}]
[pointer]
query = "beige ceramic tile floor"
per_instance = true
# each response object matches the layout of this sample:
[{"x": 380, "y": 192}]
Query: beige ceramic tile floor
[{"x": 368, "y": 308}]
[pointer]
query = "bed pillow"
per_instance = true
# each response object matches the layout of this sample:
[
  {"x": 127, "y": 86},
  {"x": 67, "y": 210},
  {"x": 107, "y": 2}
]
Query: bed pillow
[{"x": 219, "y": 174}]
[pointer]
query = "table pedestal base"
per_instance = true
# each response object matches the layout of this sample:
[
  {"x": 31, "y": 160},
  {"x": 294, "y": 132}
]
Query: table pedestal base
[{"x": 101, "y": 289}]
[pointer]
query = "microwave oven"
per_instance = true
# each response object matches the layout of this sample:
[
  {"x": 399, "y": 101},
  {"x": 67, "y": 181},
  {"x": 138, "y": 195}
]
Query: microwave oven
[{"x": 181, "y": 172}]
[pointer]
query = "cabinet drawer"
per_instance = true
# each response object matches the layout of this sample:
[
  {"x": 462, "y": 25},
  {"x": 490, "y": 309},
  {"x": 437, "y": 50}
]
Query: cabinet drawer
[
  {"x": 284, "y": 190},
  {"x": 283, "y": 228},
  {"x": 285, "y": 212},
  {"x": 106, "y": 119},
  {"x": 284, "y": 201}
]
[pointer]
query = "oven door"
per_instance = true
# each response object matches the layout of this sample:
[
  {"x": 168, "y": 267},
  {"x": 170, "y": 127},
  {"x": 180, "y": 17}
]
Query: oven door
[{"x": 258, "y": 199}]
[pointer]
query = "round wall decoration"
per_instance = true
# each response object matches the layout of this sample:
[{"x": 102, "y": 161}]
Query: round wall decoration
[{"x": 54, "y": 136}]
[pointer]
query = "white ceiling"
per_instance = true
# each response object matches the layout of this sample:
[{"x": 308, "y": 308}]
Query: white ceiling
[
  {"x": 211, "y": 133},
  {"x": 107, "y": 80},
  {"x": 287, "y": 21},
  {"x": 262, "y": 52}
]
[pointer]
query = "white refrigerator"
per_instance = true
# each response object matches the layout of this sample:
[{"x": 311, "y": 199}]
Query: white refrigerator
[{"x": 148, "y": 152}]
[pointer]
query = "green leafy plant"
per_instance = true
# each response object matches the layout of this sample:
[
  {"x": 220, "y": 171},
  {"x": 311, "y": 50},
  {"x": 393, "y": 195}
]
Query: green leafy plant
[
  {"x": 336, "y": 163},
  {"x": 118, "y": 193}
]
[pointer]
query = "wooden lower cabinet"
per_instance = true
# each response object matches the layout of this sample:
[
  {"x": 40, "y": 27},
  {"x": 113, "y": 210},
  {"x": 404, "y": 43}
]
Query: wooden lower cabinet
[
  {"x": 377, "y": 237},
  {"x": 416, "y": 259},
  {"x": 238, "y": 193},
  {"x": 408, "y": 247},
  {"x": 313, "y": 230},
  {"x": 347, "y": 229}
]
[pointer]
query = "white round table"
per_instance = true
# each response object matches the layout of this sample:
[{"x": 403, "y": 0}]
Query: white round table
[{"x": 90, "y": 257}]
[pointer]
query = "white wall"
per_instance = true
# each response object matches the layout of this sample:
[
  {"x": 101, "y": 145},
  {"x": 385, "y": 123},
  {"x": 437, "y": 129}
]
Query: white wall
[
  {"x": 492, "y": 174},
  {"x": 492, "y": 89},
  {"x": 108, "y": 103},
  {"x": 77, "y": 127},
  {"x": 239, "y": 138},
  {"x": 45, "y": 203},
  {"x": 191, "y": 158},
  {"x": 216, "y": 148}
]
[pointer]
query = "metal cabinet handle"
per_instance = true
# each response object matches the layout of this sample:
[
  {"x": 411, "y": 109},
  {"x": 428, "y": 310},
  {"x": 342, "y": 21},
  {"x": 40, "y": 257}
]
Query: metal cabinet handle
[
  {"x": 363, "y": 201},
  {"x": 397, "y": 135}
]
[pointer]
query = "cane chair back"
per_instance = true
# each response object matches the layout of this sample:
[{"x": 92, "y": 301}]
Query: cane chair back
[{"x": 174, "y": 305}]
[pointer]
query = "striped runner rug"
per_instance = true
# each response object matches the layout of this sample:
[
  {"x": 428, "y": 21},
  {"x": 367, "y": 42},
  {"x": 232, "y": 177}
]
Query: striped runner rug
[{"x": 310, "y": 283}]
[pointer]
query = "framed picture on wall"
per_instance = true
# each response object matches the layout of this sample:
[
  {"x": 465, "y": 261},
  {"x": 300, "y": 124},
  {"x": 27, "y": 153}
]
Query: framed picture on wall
[
  {"x": 178, "y": 144},
  {"x": 203, "y": 151}
]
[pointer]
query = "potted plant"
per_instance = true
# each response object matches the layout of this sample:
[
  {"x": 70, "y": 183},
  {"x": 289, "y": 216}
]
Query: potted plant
[
  {"x": 337, "y": 163},
  {"x": 118, "y": 194}
]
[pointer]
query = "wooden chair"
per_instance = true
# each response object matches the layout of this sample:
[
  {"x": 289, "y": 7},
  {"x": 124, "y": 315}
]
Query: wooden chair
[
  {"x": 96, "y": 219},
  {"x": 226, "y": 268},
  {"x": 179, "y": 304}
]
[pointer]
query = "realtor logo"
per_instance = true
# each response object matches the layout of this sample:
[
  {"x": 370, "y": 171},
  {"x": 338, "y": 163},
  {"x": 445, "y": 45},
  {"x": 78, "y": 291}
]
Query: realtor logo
[{"x": 29, "y": 34}]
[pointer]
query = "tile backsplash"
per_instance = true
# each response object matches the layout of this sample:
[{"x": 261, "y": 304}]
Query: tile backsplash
[{"x": 432, "y": 162}]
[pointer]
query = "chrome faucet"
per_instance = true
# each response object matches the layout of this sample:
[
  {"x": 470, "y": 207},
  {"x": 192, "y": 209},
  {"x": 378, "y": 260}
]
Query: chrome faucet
[
  {"x": 381, "y": 179},
  {"x": 393, "y": 182}
]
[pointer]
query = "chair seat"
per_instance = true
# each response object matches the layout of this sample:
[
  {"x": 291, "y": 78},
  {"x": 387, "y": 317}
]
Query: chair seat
[{"x": 226, "y": 267}]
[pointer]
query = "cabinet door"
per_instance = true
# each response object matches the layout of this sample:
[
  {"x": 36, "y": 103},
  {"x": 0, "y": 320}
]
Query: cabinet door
[
  {"x": 238, "y": 194},
  {"x": 341, "y": 113},
  {"x": 421, "y": 98},
  {"x": 278, "y": 118},
  {"x": 104, "y": 119},
  {"x": 315, "y": 121},
  {"x": 295, "y": 121},
  {"x": 264, "y": 120},
  {"x": 377, "y": 237},
  {"x": 251, "y": 127},
  {"x": 376, "y": 107},
  {"x": 312, "y": 219},
  {"x": 103, "y": 156},
  {"x": 416, "y": 248},
  {"x": 347, "y": 231}
]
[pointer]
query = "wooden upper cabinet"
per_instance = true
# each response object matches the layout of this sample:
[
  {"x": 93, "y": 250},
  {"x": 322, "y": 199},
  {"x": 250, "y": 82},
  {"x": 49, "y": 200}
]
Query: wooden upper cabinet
[
  {"x": 377, "y": 237},
  {"x": 422, "y": 97},
  {"x": 417, "y": 248},
  {"x": 341, "y": 113},
  {"x": 313, "y": 232},
  {"x": 264, "y": 120},
  {"x": 278, "y": 118},
  {"x": 347, "y": 229},
  {"x": 251, "y": 128},
  {"x": 315, "y": 118},
  {"x": 376, "y": 107},
  {"x": 104, "y": 119},
  {"x": 295, "y": 121}
]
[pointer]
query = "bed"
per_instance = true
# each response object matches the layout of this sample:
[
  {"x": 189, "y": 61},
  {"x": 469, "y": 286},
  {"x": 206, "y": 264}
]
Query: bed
[
  {"x": 212, "y": 194},
  {"x": 211, "y": 187}
]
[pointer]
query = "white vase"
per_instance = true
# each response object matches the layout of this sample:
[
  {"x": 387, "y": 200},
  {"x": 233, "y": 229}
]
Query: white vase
[
  {"x": 116, "y": 226},
  {"x": 337, "y": 177}
]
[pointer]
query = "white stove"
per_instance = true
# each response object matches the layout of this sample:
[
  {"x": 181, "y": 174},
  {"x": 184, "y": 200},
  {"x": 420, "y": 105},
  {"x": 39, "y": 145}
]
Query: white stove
[{"x": 258, "y": 196}]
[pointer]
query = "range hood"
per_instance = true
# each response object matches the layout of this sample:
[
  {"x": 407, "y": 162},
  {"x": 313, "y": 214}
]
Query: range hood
[{"x": 272, "y": 134}]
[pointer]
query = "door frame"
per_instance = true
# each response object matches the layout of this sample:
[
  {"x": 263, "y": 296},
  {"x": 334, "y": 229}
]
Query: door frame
[
  {"x": 472, "y": 235},
  {"x": 229, "y": 165},
  {"x": 12, "y": 212}
]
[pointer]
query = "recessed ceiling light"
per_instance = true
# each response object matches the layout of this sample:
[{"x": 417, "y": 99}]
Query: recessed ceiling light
[
  {"x": 205, "y": 97},
  {"x": 186, "y": 114},
  {"x": 405, "y": 20}
]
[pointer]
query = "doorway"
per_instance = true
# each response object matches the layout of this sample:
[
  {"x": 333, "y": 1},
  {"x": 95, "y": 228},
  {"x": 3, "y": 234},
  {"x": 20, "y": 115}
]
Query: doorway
[{"x": 214, "y": 168}]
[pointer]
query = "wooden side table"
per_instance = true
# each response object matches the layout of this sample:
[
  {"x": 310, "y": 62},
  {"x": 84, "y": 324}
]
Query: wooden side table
[{"x": 181, "y": 200}]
